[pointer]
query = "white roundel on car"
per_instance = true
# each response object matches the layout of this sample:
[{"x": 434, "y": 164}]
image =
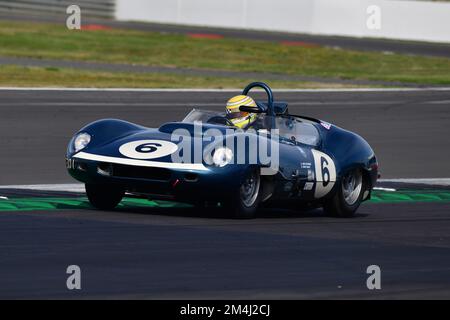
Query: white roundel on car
[
  {"x": 325, "y": 173},
  {"x": 147, "y": 149}
]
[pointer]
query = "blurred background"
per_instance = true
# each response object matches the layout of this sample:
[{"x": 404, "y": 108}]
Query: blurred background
[{"x": 225, "y": 44}]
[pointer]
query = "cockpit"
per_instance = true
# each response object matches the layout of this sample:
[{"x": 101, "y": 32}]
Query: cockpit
[
  {"x": 273, "y": 118},
  {"x": 288, "y": 127}
]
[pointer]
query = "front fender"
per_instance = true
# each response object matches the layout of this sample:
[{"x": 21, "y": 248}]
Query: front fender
[{"x": 103, "y": 132}]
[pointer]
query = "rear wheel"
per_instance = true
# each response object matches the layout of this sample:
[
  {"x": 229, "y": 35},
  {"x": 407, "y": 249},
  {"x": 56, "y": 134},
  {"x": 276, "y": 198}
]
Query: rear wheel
[
  {"x": 104, "y": 196},
  {"x": 246, "y": 199},
  {"x": 348, "y": 196}
]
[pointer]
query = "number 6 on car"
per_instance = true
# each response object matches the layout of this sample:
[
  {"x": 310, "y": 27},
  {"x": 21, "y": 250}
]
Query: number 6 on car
[
  {"x": 147, "y": 149},
  {"x": 325, "y": 173}
]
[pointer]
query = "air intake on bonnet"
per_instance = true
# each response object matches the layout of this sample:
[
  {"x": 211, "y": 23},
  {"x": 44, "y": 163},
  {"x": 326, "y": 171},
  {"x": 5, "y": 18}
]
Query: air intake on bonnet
[{"x": 125, "y": 171}]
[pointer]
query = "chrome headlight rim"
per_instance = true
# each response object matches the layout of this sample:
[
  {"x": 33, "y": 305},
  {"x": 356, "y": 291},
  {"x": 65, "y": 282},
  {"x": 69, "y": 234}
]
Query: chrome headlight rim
[{"x": 81, "y": 141}]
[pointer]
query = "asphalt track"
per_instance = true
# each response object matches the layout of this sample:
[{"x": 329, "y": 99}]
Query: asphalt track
[
  {"x": 176, "y": 252},
  {"x": 408, "y": 130}
]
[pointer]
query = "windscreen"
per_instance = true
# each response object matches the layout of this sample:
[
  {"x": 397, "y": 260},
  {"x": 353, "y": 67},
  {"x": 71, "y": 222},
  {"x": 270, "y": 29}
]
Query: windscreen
[
  {"x": 202, "y": 115},
  {"x": 297, "y": 130}
]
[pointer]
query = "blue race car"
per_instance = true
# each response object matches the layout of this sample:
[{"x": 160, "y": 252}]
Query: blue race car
[{"x": 206, "y": 160}]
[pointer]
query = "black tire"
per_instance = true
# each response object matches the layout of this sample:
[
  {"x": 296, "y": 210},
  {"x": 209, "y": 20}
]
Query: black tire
[
  {"x": 104, "y": 197},
  {"x": 241, "y": 205},
  {"x": 338, "y": 206}
]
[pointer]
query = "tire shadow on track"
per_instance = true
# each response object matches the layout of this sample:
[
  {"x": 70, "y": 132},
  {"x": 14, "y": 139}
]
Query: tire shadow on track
[
  {"x": 29, "y": 201},
  {"x": 212, "y": 213}
]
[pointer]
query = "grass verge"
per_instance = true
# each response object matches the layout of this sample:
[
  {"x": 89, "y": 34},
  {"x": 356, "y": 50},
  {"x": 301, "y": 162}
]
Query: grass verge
[
  {"x": 18, "y": 76},
  {"x": 38, "y": 40}
]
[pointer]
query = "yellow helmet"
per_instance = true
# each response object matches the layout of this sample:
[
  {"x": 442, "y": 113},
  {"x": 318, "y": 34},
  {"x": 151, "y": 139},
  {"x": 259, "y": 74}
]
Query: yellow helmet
[{"x": 239, "y": 118}]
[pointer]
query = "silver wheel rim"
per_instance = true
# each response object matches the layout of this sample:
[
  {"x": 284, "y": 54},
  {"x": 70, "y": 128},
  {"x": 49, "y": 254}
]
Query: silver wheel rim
[
  {"x": 249, "y": 189},
  {"x": 351, "y": 186}
]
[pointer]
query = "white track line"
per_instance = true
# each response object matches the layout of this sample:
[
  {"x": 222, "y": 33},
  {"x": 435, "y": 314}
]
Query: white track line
[
  {"x": 192, "y": 105},
  {"x": 225, "y": 90},
  {"x": 427, "y": 181},
  {"x": 385, "y": 189},
  {"x": 70, "y": 187}
]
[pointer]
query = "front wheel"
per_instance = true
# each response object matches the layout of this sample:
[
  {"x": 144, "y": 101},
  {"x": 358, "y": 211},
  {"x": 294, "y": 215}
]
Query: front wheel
[
  {"x": 348, "y": 195},
  {"x": 246, "y": 199},
  {"x": 103, "y": 196}
]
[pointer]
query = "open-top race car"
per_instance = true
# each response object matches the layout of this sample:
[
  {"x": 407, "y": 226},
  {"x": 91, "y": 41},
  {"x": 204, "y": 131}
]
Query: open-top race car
[{"x": 206, "y": 160}]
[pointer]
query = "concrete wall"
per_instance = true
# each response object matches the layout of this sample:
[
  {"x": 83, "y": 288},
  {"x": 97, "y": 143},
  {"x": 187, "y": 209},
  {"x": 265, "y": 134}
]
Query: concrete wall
[
  {"x": 408, "y": 20},
  {"x": 90, "y": 8}
]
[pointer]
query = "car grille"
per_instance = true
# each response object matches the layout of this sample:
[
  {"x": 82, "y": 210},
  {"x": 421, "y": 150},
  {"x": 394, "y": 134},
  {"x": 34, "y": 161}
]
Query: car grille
[{"x": 125, "y": 171}]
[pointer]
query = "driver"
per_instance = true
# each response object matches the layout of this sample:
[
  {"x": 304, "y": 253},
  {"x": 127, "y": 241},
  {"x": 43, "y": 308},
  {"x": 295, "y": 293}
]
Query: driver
[{"x": 239, "y": 118}]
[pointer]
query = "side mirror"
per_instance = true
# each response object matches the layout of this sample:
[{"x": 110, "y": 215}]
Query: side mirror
[{"x": 250, "y": 109}]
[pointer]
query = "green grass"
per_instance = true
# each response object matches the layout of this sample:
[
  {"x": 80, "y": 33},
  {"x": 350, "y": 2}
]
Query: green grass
[
  {"x": 129, "y": 204},
  {"x": 62, "y": 77},
  {"x": 39, "y": 40}
]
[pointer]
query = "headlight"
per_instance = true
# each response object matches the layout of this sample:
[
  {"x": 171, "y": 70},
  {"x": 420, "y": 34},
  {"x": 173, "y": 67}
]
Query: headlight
[
  {"x": 222, "y": 156},
  {"x": 81, "y": 141}
]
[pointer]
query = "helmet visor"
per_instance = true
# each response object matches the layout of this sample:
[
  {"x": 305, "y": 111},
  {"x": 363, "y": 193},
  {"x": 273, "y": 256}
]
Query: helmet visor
[{"x": 235, "y": 115}]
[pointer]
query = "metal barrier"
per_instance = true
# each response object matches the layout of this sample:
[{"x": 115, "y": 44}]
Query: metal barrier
[
  {"x": 89, "y": 8},
  {"x": 406, "y": 20}
]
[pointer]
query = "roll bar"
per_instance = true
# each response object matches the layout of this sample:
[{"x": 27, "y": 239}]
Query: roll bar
[{"x": 270, "y": 109}]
